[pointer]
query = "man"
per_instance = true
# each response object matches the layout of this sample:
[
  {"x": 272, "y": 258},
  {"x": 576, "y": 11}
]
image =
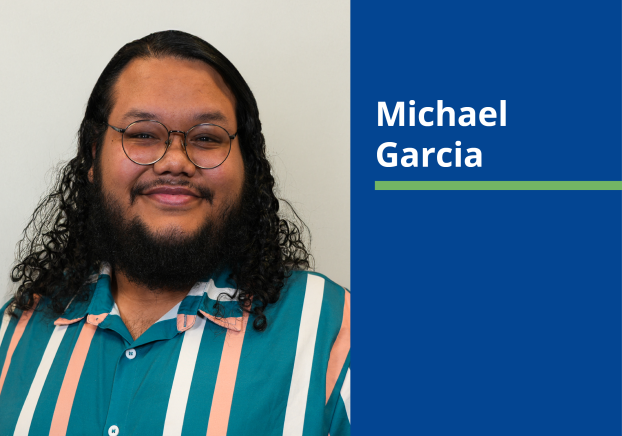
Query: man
[{"x": 159, "y": 290}]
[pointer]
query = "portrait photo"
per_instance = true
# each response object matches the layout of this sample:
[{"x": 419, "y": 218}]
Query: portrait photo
[{"x": 175, "y": 239}]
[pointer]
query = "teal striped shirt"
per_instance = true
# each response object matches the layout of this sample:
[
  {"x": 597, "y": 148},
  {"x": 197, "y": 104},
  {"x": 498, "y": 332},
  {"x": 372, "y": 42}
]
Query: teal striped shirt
[{"x": 195, "y": 371}]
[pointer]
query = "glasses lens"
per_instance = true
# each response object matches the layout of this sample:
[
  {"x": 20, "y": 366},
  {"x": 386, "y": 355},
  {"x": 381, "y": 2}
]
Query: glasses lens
[
  {"x": 145, "y": 141},
  {"x": 208, "y": 145}
]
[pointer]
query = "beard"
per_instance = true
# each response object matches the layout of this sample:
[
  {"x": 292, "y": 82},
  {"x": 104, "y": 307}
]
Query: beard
[{"x": 170, "y": 260}]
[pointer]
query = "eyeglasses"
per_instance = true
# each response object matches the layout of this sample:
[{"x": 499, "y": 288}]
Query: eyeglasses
[{"x": 145, "y": 142}]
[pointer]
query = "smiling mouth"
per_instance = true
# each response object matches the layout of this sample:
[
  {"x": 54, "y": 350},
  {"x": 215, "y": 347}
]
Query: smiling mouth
[{"x": 172, "y": 196}]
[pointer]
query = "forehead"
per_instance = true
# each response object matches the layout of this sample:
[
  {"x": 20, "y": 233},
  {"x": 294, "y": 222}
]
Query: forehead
[{"x": 174, "y": 91}]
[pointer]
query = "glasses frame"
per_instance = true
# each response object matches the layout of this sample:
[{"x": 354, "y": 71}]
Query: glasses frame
[{"x": 168, "y": 141}]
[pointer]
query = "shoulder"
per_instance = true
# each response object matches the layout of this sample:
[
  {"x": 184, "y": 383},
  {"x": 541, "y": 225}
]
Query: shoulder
[
  {"x": 41, "y": 312},
  {"x": 313, "y": 282},
  {"x": 315, "y": 295},
  {"x": 5, "y": 318},
  {"x": 5, "y": 306}
]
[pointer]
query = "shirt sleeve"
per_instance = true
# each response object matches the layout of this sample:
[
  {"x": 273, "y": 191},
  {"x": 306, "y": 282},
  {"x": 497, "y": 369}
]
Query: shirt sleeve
[
  {"x": 338, "y": 375},
  {"x": 340, "y": 424}
]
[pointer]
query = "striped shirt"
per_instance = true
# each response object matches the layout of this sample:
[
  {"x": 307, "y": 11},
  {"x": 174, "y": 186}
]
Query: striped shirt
[{"x": 195, "y": 371}]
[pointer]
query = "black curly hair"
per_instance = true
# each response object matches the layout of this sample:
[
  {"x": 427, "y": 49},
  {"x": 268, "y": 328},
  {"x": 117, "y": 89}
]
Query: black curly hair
[{"x": 55, "y": 258}]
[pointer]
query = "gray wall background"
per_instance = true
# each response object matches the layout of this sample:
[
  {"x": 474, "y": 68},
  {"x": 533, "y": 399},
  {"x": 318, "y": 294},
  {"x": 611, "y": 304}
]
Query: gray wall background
[{"x": 293, "y": 54}]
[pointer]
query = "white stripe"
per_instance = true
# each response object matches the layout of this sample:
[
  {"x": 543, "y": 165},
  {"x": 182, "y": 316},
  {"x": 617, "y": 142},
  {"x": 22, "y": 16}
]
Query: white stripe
[
  {"x": 299, "y": 388},
  {"x": 5, "y": 323},
  {"x": 197, "y": 290},
  {"x": 213, "y": 292},
  {"x": 345, "y": 393},
  {"x": 28, "y": 409},
  {"x": 184, "y": 372},
  {"x": 106, "y": 269},
  {"x": 90, "y": 279}
]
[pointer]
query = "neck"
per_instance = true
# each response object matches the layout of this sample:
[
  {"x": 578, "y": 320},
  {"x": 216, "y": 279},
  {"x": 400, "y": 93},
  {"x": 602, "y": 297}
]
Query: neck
[{"x": 139, "y": 306}]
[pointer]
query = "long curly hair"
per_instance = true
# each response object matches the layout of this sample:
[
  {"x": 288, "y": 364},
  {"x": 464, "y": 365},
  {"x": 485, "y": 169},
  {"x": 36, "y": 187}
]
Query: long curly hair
[{"x": 55, "y": 258}]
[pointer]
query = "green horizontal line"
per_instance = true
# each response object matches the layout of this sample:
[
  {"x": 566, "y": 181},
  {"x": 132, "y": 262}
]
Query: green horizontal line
[{"x": 498, "y": 186}]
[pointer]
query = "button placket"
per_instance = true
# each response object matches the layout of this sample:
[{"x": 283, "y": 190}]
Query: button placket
[{"x": 121, "y": 395}]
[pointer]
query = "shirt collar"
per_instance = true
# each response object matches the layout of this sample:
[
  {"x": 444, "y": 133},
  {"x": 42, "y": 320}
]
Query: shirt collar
[{"x": 214, "y": 298}]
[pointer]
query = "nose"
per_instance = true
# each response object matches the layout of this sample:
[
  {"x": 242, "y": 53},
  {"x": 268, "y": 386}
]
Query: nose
[{"x": 175, "y": 160}]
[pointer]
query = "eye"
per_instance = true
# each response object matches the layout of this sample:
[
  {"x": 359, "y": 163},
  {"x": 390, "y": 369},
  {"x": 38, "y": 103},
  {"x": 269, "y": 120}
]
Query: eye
[
  {"x": 141, "y": 136},
  {"x": 203, "y": 138},
  {"x": 207, "y": 136}
]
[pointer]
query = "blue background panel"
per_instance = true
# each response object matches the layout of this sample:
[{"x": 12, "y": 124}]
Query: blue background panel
[{"x": 487, "y": 312}]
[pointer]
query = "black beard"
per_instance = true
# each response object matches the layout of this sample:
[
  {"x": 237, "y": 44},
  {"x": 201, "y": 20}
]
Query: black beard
[{"x": 171, "y": 260}]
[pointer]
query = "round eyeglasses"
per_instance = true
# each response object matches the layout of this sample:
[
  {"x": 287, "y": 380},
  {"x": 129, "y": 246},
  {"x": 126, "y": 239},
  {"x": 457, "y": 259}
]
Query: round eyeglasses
[{"x": 145, "y": 142}]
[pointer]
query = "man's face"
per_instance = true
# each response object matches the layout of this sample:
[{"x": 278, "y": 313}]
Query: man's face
[{"x": 179, "y": 94}]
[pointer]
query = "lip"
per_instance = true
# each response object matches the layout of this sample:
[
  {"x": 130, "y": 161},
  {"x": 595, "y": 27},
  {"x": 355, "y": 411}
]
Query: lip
[{"x": 172, "y": 196}]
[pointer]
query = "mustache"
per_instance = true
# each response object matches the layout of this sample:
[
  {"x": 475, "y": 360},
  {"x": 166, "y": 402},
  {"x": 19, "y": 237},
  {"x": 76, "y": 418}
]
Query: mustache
[{"x": 140, "y": 188}]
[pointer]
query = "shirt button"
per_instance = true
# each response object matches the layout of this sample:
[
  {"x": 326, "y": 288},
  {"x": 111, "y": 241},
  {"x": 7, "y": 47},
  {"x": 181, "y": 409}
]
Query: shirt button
[
  {"x": 130, "y": 354},
  {"x": 113, "y": 430}
]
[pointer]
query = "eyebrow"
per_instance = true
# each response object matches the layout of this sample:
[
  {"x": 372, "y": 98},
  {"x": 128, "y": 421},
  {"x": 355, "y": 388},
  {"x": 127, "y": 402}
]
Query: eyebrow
[{"x": 204, "y": 117}]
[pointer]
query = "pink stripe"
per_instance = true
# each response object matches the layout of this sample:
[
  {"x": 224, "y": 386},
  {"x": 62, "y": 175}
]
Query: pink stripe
[
  {"x": 225, "y": 381},
  {"x": 232, "y": 323},
  {"x": 17, "y": 335},
  {"x": 96, "y": 319},
  {"x": 65, "y": 321},
  {"x": 340, "y": 349},
  {"x": 185, "y": 322},
  {"x": 64, "y": 403}
]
